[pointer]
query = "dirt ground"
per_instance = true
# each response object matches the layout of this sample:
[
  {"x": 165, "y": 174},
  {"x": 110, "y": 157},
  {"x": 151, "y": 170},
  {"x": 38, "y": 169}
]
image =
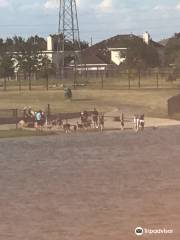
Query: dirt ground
[{"x": 90, "y": 186}]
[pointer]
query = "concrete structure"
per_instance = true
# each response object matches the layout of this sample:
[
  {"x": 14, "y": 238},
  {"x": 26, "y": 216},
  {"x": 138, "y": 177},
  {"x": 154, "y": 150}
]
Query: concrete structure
[
  {"x": 51, "y": 51},
  {"x": 49, "y": 43},
  {"x": 56, "y": 56}
]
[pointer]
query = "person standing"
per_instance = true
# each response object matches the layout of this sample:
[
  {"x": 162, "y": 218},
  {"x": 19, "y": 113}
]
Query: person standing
[
  {"x": 95, "y": 115},
  {"x": 142, "y": 122},
  {"x": 137, "y": 123},
  {"x": 122, "y": 121},
  {"x": 38, "y": 119}
]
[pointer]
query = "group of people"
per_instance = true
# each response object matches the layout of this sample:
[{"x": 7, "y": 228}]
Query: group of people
[
  {"x": 138, "y": 121},
  {"x": 34, "y": 118},
  {"x": 98, "y": 120},
  {"x": 94, "y": 117},
  {"x": 37, "y": 119}
]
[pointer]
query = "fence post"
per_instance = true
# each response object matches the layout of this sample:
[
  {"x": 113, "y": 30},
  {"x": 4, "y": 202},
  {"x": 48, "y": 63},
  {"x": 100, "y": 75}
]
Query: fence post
[
  {"x": 47, "y": 81},
  {"x": 97, "y": 72},
  {"x": 48, "y": 110},
  {"x": 16, "y": 116},
  {"x": 75, "y": 77},
  {"x": 86, "y": 72},
  {"x": 139, "y": 82},
  {"x": 106, "y": 72},
  {"x": 129, "y": 79},
  {"x": 102, "y": 80},
  {"x": 30, "y": 87},
  {"x": 5, "y": 84},
  {"x": 157, "y": 79},
  {"x": 19, "y": 81}
]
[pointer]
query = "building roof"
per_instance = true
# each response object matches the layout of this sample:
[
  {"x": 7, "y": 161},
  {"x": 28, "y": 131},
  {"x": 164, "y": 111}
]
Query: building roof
[
  {"x": 98, "y": 52},
  {"x": 157, "y": 44},
  {"x": 90, "y": 57},
  {"x": 115, "y": 42}
]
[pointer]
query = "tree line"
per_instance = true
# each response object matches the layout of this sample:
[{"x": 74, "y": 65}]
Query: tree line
[
  {"x": 27, "y": 56},
  {"x": 172, "y": 51}
]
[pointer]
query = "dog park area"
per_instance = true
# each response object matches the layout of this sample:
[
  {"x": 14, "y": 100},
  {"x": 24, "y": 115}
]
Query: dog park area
[
  {"x": 150, "y": 102},
  {"x": 92, "y": 185}
]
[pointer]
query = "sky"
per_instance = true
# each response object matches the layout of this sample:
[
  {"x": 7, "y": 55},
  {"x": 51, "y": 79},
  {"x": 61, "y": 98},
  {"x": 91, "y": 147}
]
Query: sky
[{"x": 98, "y": 19}]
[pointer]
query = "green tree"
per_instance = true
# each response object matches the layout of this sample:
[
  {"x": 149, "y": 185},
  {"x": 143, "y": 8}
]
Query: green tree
[
  {"x": 6, "y": 66},
  {"x": 140, "y": 55},
  {"x": 1, "y": 46},
  {"x": 172, "y": 50},
  {"x": 19, "y": 44}
]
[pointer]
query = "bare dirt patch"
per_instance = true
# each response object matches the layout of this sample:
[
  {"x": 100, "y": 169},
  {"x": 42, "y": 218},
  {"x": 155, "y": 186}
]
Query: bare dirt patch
[{"x": 89, "y": 186}]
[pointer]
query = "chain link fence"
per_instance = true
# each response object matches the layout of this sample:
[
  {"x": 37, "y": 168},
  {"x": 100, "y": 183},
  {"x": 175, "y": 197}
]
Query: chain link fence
[
  {"x": 10, "y": 116},
  {"x": 100, "y": 78}
]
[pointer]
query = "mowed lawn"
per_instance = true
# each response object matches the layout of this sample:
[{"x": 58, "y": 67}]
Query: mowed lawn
[{"x": 151, "y": 102}]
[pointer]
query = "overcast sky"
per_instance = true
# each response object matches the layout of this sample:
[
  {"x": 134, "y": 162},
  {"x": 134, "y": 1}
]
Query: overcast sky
[{"x": 97, "y": 18}]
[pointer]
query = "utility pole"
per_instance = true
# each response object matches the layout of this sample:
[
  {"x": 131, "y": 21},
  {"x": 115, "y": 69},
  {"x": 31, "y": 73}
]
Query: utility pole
[{"x": 68, "y": 34}]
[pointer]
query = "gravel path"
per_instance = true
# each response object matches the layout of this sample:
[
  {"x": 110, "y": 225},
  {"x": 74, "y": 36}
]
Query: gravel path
[{"x": 90, "y": 186}]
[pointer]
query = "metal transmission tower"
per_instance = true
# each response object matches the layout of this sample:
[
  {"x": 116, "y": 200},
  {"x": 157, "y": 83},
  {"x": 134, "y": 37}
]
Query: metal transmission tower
[{"x": 68, "y": 34}]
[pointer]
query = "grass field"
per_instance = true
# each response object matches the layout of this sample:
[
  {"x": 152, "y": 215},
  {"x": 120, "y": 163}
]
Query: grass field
[{"x": 152, "y": 102}]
